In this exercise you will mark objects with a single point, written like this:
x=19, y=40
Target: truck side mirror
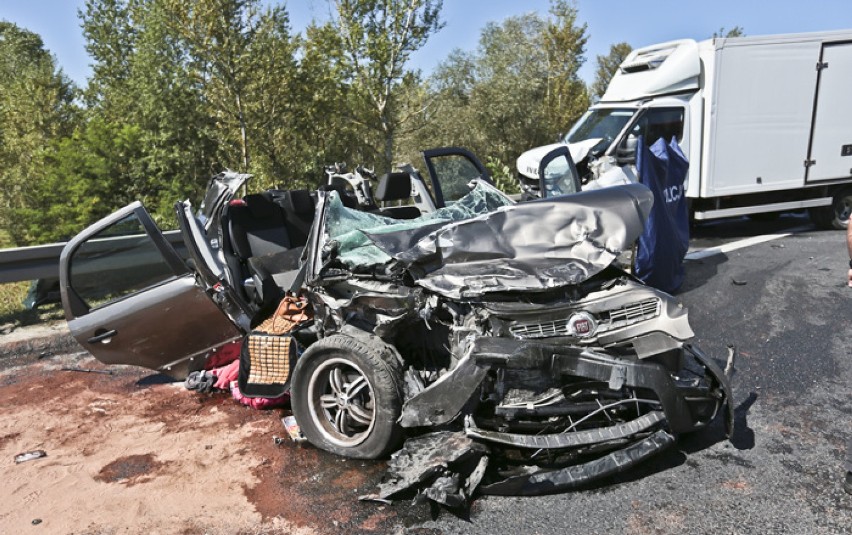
x=625, y=154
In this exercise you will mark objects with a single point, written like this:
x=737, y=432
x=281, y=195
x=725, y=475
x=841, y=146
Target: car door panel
x=451, y=169
x=130, y=299
x=169, y=328
x=209, y=268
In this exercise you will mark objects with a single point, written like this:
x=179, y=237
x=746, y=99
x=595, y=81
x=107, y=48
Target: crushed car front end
x=523, y=340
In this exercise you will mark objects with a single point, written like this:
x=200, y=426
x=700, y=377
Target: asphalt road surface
x=776, y=293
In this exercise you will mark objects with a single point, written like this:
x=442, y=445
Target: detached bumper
x=535, y=481
x=688, y=403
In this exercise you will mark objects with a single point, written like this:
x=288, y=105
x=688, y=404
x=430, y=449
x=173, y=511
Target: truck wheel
x=347, y=398
x=835, y=216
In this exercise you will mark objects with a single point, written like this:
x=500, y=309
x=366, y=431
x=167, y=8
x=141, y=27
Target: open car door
x=450, y=170
x=210, y=270
x=129, y=298
x=557, y=174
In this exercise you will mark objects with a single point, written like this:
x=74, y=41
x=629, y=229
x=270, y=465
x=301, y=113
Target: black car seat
x=253, y=227
x=275, y=270
x=299, y=208
x=257, y=228
x=396, y=187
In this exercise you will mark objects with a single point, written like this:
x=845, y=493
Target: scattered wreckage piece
x=445, y=467
x=534, y=482
x=566, y=439
x=293, y=430
x=448, y=467
x=29, y=456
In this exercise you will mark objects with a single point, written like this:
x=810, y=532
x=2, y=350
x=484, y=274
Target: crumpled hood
x=526, y=247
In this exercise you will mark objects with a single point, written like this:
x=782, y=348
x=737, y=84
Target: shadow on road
x=667, y=460
x=743, y=438
x=698, y=272
x=156, y=379
x=744, y=227
x=719, y=232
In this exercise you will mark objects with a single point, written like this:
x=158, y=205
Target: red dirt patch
x=185, y=462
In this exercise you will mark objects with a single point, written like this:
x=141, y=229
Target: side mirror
x=625, y=154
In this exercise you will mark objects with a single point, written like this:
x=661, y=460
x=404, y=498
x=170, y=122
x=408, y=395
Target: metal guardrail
x=28, y=263
x=42, y=261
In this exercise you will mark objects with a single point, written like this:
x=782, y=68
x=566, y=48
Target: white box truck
x=765, y=121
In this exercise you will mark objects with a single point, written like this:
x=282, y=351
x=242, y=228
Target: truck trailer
x=765, y=121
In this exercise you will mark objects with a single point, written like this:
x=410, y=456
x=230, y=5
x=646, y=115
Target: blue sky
x=609, y=21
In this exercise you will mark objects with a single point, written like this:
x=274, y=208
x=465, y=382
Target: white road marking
x=748, y=242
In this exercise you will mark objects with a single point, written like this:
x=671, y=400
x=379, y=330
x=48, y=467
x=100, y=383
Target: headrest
x=337, y=183
x=394, y=187
x=348, y=200
x=299, y=202
x=260, y=205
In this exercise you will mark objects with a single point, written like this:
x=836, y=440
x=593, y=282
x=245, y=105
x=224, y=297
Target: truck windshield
x=604, y=123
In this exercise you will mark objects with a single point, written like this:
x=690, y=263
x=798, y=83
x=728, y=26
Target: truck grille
x=607, y=320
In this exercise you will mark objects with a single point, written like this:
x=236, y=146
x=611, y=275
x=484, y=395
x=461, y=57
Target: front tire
x=347, y=397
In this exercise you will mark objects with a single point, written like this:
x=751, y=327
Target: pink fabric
x=259, y=403
x=226, y=374
x=224, y=355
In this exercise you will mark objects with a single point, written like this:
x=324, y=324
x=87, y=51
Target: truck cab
x=654, y=94
x=762, y=121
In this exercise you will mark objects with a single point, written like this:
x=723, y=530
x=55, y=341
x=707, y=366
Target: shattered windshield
x=603, y=123
x=349, y=228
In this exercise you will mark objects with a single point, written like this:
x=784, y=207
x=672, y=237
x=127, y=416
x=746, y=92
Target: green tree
x=110, y=40
x=319, y=130
x=75, y=190
x=736, y=31
x=516, y=91
x=208, y=84
x=235, y=52
x=608, y=65
x=141, y=81
x=378, y=37
x=510, y=99
x=565, y=46
x=36, y=108
x=449, y=117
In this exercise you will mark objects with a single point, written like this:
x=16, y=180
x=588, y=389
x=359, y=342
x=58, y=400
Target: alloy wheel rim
x=342, y=402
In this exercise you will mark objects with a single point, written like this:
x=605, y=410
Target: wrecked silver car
x=501, y=338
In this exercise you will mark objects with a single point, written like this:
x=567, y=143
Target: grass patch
x=12, y=309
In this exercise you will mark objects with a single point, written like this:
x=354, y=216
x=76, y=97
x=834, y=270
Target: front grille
x=633, y=313
x=540, y=330
x=607, y=320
